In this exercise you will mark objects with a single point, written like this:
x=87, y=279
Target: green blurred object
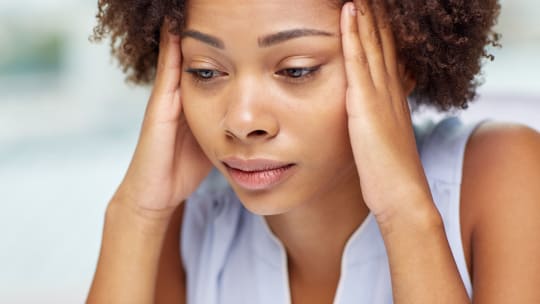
x=33, y=52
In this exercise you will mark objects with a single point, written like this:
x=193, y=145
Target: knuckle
x=358, y=57
x=374, y=37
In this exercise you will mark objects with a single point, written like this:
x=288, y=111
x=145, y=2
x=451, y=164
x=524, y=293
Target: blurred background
x=69, y=124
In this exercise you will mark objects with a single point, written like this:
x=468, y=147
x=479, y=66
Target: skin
x=361, y=113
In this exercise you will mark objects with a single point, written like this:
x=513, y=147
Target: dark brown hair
x=442, y=43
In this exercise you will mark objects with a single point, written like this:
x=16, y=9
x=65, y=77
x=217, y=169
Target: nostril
x=257, y=133
x=229, y=134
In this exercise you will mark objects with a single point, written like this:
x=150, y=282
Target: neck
x=315, y=233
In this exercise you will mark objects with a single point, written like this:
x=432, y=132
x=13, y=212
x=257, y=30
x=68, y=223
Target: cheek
x=335, y=96
x=198, y=115
x=329, y=121
x=326, y=110
x=190, y=110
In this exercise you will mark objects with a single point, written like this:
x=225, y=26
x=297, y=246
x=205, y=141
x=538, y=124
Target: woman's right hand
x=143, y=219
x=168, y=164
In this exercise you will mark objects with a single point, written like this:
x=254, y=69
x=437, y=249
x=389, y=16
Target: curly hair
x=442, y=43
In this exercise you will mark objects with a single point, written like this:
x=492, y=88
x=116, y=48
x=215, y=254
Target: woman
x=336, y=196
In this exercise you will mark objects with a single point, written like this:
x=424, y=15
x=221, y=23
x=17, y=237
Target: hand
x=392, y=178
x=168, y=164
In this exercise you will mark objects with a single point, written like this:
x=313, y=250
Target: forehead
x=262, y=16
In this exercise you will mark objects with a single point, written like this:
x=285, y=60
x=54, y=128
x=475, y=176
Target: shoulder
x=501, y=171
x=501, y=160
x=502, y=141
x=500, y=209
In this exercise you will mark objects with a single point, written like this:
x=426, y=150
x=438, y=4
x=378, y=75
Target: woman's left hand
x=392, y=178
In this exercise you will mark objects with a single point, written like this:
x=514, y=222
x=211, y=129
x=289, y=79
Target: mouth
x=258, y=174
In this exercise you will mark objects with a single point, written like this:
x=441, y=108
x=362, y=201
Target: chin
x=265, y=202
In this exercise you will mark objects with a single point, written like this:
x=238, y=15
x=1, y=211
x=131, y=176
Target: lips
x=258, y=174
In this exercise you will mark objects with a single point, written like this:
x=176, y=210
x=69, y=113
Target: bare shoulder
x=500, y=213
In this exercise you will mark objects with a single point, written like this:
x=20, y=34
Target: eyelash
x=196, y=74
x=306, y=74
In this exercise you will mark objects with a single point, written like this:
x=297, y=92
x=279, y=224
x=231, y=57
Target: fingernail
x=352, y=9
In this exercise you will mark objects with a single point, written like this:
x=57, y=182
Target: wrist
x=419, y=217
x=126, y=202
x=131, y=247
x=152, y=221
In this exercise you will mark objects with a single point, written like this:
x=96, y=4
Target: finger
x=164, y=104
x=387, y=36
x=169, y=62
x=371, y=41
x=395, y=71
x=161, y=121
x=356, y=65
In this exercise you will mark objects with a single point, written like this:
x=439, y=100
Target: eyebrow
x=208, y=39
x=283, y=36
x=265, y=41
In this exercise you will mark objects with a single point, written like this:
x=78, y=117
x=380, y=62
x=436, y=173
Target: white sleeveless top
x=231, y=257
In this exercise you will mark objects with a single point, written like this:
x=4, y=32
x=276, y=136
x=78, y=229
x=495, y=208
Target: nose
x=250, y=116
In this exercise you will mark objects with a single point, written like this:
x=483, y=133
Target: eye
x=204, y=75
x=298, y=74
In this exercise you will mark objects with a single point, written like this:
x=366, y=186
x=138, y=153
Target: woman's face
x=263, y=91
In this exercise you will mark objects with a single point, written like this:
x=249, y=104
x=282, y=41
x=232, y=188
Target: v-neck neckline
x=364, y=244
